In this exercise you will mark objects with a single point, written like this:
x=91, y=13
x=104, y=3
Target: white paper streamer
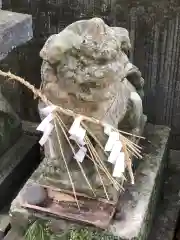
x=45, y=126
x=119, y=167
x=47, y=110
x=42, y=126
x=107, y=129
x=77, y=132
x=115, y=152
x=46, y=134
x=80, y=141
x=80, y=155
x=75, y=126
x=113, y=137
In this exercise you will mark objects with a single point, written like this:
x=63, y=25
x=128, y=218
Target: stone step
x=136, y=206
x=15, y=30
x=16, y=165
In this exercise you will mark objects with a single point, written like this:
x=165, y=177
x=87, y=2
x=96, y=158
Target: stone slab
x=15, y=29
x=137, y=205
x=16, y=165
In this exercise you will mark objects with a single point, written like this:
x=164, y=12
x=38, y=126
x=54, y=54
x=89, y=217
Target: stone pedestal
x=136, y=206
x=15, y=165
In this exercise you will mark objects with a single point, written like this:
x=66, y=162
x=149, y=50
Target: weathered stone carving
x=85, y=68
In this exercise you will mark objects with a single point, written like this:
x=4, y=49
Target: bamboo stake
x=73, y=150
x=115, y=183
x=95, y=164
x=64, y=159
x=94, y=137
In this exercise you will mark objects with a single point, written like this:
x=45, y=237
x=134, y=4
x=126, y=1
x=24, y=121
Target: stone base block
x=136, y=206
x=16, y=165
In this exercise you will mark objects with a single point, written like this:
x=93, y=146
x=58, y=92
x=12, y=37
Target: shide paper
x=46, y=126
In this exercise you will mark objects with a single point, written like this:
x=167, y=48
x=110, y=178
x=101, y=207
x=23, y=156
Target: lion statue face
x=88, y=56
x=86, y=65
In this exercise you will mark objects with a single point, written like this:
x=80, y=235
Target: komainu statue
x=85, y=68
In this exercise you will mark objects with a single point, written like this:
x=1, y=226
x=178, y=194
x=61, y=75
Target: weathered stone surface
x=35, y=195
x=30, y=128
x=16, y=62
x=15, y=29
x=165, y=219
x=0, y=4
x=137, y=204
x=10, y=125
x=12, y=91
x=15, y=164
